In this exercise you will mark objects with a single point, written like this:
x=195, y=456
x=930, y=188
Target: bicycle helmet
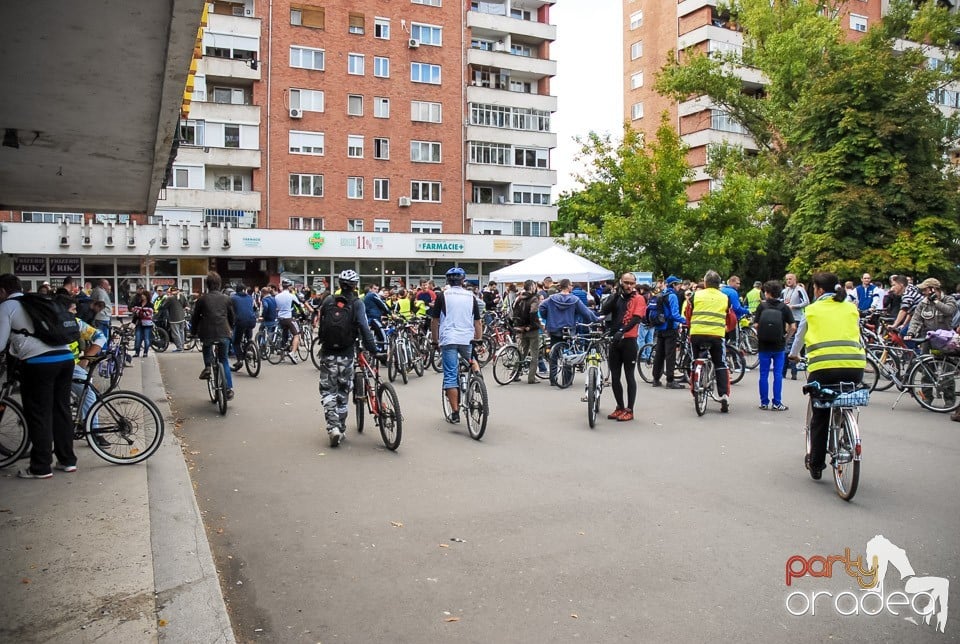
x=349, y=277
x=455, y=276
x=285, y=283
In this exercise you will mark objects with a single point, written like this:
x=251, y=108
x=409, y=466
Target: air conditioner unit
x=404, y=202
x=205, y=244
x=87, y=242
x=64, y=241
x=296, y=113
x=413, y=43
x=184, y=242
x=108, y=241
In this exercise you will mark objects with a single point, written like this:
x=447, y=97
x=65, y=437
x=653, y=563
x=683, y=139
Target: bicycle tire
x=221, y=389
x=416, y=359
x=130, y=424
x=751, y=342
x=159, y=339
x=119, y=361
x=251, y=359
x=564, y=376
x=736, y=364
x=889, y=364
x=359, y=397
x=593, y=397
x=402, y=361
x=935, y=370
x=275, y=353
x=190, y=343
x=871, y=373
x=484, y=351
x=389, y=418
x=507, y=364
x=645, y=365
x=212, y=387
x=445, y=403
x=306, y=342
x=699, y=390
x=477, y=407
x=392, y=362
x=846, y=475
x=14, y=439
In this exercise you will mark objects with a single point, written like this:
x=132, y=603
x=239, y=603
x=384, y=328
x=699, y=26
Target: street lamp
x=149, y=250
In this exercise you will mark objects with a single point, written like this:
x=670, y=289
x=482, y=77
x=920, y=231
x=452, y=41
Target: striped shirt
x=910, y=299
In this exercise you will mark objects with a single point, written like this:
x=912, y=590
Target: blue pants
x=645, y=336
x=79, y=373
x=142, y=335
x=224, y=351
x=774, y=359
x=451, y=354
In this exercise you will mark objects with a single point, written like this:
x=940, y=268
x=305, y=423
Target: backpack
x=53, y=323
x=657, y=308
x=337, y=329
x=770, y=325
x=85, y=308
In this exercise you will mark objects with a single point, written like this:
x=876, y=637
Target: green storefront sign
x=316, y=240
x=439, y=246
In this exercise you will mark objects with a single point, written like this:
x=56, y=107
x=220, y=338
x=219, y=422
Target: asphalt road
x=671, y=528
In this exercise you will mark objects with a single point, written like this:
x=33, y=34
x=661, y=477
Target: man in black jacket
x=212, y=322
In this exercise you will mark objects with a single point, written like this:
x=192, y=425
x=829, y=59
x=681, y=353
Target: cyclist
x=831, y=332
x=375, y=309
x=212, y=321
x=92, y=341
x=286, y=303
x=563, y=310
x=268, y=311
x=342, y=319
x=526, y=321
x=707, y=329
x=626, y=308
x=455, y=324
x=665, y=353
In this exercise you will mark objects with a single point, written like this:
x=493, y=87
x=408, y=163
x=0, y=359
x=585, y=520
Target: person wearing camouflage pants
x=336, y=383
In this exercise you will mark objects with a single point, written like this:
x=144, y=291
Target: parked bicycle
x=932, y=379
x=473, y=396
x=509, y=365
x=380, y=400
x=843, y=439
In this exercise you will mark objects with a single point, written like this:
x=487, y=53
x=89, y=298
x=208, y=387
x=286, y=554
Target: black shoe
x=675, y=385
x=205, y=374
x=724, y=406
x=656, y=383
x=229, y=394
x=454, y=418
x=237, y=366
x=793, y=376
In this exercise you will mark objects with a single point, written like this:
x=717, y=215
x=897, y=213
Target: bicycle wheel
x=477, y=407
x=593, y=395
x=485, y=351
x=221, y=389
x=933, y=383
x=13, y=432
x=645, y=364
x=389, y=419
x=402, y=360
x=359, y=398
x=506, y=364
x=190, y=343
x=251, y=359
x=416, y=359
x=871, y=374
x=275, y=351
x=564, y=375
x=130, y=428
x=159, y=339
x=392, y=361
x=846, y=465
x=888, y=364
x=306, y=342
x=736, y=364
x=445, y=402
x=315, y=356
x=751, y=343
x=700, y=392
x=212, y=386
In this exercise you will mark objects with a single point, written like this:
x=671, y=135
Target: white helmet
x=349, y=277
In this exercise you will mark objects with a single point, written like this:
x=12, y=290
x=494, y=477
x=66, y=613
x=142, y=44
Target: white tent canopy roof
x=555, y=262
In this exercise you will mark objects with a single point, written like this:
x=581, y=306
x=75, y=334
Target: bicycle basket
x=855, y=398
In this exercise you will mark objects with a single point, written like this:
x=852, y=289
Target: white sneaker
x=294, y=359
x=335, y=437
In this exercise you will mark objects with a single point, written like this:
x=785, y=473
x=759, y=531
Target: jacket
x=375, y=306
x=175, y=306
x=734, y=298
x=213, y=317
x=673, y=318
x=930, y=316
x=532, y=323
x=562, y=310
x=243, y=307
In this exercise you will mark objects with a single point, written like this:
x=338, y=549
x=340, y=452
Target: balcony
x=521, y=138
x=686, y=7
x=221, y=157
x=534, y=67
x=488, y=95
x=708, y=136
x=216, y=68
x=709, y=32
x=511, y=212
x=210, y=199
x=504, y=25
x=225, y=113
x=233, y=25
x=510, y=174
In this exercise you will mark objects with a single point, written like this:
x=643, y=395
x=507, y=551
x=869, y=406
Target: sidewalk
x=110, y=553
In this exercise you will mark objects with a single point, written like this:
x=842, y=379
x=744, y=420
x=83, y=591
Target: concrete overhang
x=93, y=91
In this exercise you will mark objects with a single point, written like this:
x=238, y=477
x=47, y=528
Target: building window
x=381, y=107
x=636, y=111
x=381, y=67
x=308, y=100
x=521, y=50
x=426, y=227
x=636, y=80
x=381, y=225
x=519, y=14
x=425, y=151
x=307, y=16
x=425, y=73
x=381, y=149
x=355, y=64
x=355, y=146
x=425, y=112
x=191, y=132
x=531, y=158
x=425, y=191
x=354, y=105
x=427, y=34
x=531, y=228
x=354, y=225
x=490, y=153
x=381, y=28
x=231, y=136
x=306, y=58
x=229, y=96
x=432, y=3
x=482, y=43
x=51, y=217
x=354, y=187
x=516, y=118
x=357, y=22
x=179, y=178
x=531, y=195
x=306, y=223
x=381, y=191
x=306, y=185
x=858, y=22
x=228, y=182
x=636, y=20
x=636, y=50
x=482, y=194
x=306, y=143
x=720, y=120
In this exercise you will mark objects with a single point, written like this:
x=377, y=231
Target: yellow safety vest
x=403, y=307
x=833, y=336
x=709, y=313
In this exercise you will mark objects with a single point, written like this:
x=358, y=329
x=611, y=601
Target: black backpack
x=337, y=328
x=770, y=328
x=657, y=309
x=85, y=308
x=53, y=323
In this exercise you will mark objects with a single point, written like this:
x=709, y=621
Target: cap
x=930, y=282
x=673, y=279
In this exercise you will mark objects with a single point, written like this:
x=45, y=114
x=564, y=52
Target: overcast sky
x=589, y=80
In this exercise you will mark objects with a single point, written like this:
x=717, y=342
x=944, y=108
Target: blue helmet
x=455, y=276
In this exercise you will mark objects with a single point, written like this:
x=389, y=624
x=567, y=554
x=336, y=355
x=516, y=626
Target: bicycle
x=110, y=370
x=14, y=440
x=931, y=378
x=380, y=400
x=702, y=381
x=595, y=376
x=251, y=358
x=217, y=382
x=843, y=439
x=509, y=365
x=473, y=395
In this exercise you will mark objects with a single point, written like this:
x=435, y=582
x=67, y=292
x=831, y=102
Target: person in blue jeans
x=773, y=321
x=455, y=323
x=212, y=321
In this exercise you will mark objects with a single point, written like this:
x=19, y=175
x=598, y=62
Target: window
x=636, y=50
x=307, y=16
x=355, y=64
x=381, y=148
x=531, y=195
x=432, y=3
x=306, y=142
x=231, y=136
x=480, y=43
x=425, y=112
x=636, y=20
x=306, y=223
x=354, y=225
x=531, y=228
x=425, y=191
x=228, y=96
x=521, y=14
x=381, y=107
x=51, y=217
x=426, y=34
x=425, y=73
x=520, y=86
x=490, y=153
x=636, y=80
x=720, y=120
x=381, y=225
x=381, y=28
x=179, y=178
x=357, y=22
x=308, y=100
x=355, y=146
x=531, y=158
x=426, y=227
x=857, y=22
x=521, y=50
x=425, y=151
x=354, y=105
x=516, y=118
x=381, y=192
x=381, y=67
x=231, y=182
x=636, y=111
x=191, y=132
x=482, y=194
x=306, y=185
x=306, y=58
x=354, y=187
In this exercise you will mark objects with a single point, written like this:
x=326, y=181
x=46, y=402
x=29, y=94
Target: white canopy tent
x=555, y=262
